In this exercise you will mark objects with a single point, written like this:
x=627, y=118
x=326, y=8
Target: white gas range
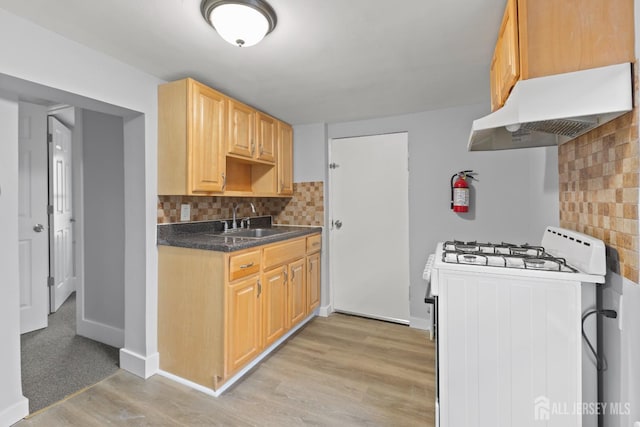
x=508, y=327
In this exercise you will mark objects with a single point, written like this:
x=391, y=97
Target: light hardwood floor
x=337, y=371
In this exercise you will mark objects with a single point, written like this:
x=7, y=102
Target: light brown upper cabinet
x=285, y=159
x=505, y=66
x=554, y=37
x=191, y=132
x=241, y=130
x=251, y=134
x=266, y=134
x=210, y=144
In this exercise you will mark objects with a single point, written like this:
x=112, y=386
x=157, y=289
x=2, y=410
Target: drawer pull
x=315, y=244
x=243, y=266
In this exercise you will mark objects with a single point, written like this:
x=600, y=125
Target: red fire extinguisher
x=460, y=191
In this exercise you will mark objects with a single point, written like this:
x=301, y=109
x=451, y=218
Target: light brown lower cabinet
x=314, y=246
x=242, y=337
x=275, y=305
x=218, y=311
x=297, y=292
x=313, y=281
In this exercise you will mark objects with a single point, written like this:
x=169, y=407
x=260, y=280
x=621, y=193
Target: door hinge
x=333, y=165
x=49, y=209
x=49, y=137
x=50, y=281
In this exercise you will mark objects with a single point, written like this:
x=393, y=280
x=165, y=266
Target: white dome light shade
x=239, y=25
x=241, y=22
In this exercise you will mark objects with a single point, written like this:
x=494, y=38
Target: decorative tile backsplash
x=599, y=187
x=306, y=207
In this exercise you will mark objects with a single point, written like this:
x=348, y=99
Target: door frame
x=329, y=220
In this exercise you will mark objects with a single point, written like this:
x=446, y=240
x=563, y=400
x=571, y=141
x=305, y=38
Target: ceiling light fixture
x=240, y=22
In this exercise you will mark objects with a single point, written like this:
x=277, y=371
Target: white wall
x=103, y=167
x=309, y=152
x=515, y=199
x=12, y=405
x=310, y=165
x=76, y=75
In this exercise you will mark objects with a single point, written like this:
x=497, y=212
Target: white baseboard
x=100, y=332
x=242, y=372
x=420, y=323
x=15, y=412
x=144, y=367
x=325, y=311
x=188, y=383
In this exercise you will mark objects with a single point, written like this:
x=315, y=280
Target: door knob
x=38, y=228
x=338, y=224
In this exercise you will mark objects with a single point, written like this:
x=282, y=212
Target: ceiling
x=326, y=61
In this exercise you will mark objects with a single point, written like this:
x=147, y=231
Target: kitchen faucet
x=234, y=225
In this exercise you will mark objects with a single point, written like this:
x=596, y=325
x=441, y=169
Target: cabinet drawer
x=244, y=264
x=279, y=254
x=314, y=243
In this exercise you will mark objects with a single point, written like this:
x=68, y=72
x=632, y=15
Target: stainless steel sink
x=253, y=232
x=249, y=233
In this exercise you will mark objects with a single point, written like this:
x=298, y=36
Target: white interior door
x=369, y=252
x=62, y=248
x=32, y=212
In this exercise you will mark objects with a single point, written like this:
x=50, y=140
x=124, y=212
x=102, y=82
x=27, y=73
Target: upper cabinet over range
x=546, y=37
x=211, y=144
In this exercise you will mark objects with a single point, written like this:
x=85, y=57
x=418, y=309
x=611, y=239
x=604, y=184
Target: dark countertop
x=208, y=235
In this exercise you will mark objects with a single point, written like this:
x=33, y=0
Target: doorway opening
x=71, y=277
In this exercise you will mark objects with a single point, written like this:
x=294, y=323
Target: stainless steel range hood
x=555, y=109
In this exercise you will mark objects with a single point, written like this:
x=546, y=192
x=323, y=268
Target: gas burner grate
x=506, y=255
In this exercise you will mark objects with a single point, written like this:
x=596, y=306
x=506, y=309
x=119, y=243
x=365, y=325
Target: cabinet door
x=241, y=131
x=274, y=307
x=496, y=96
x=564, y=36
x=313, y=282
x=206, y=136
x=297, y=294
x=285, y=159
x=506, y=70
x=266, y=135
x=242, y=323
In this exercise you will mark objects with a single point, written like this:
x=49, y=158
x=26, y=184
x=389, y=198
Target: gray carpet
x=56, y=362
